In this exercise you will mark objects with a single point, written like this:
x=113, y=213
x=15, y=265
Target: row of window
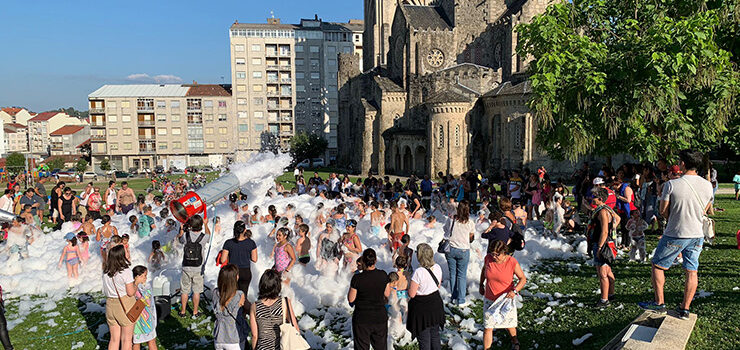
x=192, y=132
x=301, y=34
x=145, y=103
x=441, y=136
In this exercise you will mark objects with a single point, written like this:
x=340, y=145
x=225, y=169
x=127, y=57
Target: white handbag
x=290, y=338
x=707, y=224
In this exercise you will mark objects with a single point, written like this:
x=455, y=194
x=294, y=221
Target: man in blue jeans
x=684, y=202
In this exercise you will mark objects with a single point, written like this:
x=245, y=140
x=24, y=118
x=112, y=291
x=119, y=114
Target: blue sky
x=54, y=53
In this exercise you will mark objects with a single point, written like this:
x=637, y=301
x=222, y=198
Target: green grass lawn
x=568, y=319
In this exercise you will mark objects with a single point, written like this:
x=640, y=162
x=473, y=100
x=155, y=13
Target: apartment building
x=16, y=138
x=67, y=139
x=285, y=78
x=15, y=115
x=41, y=125
x=172, y=125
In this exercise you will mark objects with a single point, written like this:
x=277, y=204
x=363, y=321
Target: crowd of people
x=613, y=208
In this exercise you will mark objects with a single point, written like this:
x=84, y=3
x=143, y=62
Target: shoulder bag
x=290, y=338
x=707, y=224
x=136, y=309
x=444, y=244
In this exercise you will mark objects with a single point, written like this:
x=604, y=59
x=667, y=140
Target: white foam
x=320, y=293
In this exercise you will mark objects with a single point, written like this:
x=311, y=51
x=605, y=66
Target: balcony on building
x=146, y=120
x=97, y=107
x=194, y=104
x=97, y=137
x=97, y=121
x=284, y=50
x=195, y=118
x=145, y=105
x=147, y=146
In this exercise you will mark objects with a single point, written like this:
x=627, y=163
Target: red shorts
x=397, y=240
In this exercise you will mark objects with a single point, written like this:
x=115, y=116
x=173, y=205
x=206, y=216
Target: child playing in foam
x=636, y=227
x=304, y=244
x=71, y=256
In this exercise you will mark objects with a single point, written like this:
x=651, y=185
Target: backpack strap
x=200, y=238
x=703, y=206
x=436, y=281
x=187, y=236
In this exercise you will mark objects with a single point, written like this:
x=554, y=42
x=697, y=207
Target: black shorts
x=304, y=260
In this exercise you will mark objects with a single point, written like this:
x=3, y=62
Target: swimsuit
x=304, y=259
x=282, y=259
x=74, y=260
x=397, y=240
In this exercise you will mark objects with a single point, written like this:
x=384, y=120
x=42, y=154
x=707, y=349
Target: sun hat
x=69, y=236
x=598, y=181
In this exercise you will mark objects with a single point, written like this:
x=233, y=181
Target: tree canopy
x=105, y=164
x=55, y=163
x=307, y=146
x=15, y=163
x=81, y=165
x=645, y=78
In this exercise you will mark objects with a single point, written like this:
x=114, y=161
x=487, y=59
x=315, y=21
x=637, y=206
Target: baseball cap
x=69, y=236
x=675, y=169
x=598, y=181
x=352, y=222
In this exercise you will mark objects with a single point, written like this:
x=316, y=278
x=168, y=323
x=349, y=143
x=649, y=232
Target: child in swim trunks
x=303, y=245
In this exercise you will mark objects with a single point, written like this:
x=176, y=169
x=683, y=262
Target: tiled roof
x=507, y=88
x=426, y=17
x=67, y=130
x=140, y=90
x=15, y=125
x=11, y=110
x=263, y=26
x=207, y=90
x=387, y=84
x=87, y=142
x=44, y=116
x=8, y=130
x=447, y=95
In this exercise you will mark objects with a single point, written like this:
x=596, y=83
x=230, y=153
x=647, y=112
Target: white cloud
x=161, y=78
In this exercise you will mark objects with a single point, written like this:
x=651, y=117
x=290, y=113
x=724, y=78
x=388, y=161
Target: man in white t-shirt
x=684, y=202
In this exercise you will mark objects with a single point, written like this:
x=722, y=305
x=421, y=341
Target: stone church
x=443, y=89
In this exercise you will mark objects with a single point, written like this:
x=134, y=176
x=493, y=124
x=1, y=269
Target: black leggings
x=245, y=277
x=429, y=339
x=4, y=337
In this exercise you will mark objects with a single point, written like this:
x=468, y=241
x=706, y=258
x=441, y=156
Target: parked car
x=192, y=170
x=66, y=174
x=317, y=163
x=89, y=175
x=54, y=172
x=206, y=169
x=176, y=171
x=123, y=175
x=144, y=171
x=159, y=169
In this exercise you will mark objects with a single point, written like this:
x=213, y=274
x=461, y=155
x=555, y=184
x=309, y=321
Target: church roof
x=447, y=95
x=388, y=85
x=426, y=17
x=507, y=88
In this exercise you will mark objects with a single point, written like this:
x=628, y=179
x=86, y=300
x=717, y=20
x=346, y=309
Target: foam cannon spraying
x=250, y=176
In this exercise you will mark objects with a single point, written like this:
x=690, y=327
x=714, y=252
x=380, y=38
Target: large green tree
x=307, y=146
x=15, y=162
x=81, y=165
x=641, y=77
x=105, y=164
x=55, y=163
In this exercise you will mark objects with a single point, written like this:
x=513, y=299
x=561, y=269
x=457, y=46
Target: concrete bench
x=654, y=331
